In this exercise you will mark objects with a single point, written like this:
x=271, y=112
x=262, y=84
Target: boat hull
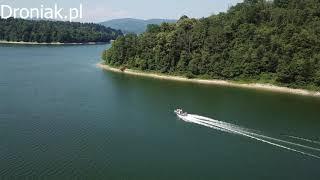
x=182, y=117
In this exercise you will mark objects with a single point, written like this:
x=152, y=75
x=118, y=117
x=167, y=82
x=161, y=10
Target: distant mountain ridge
x=130, y=25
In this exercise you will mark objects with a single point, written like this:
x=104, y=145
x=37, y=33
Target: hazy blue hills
x=130, y=25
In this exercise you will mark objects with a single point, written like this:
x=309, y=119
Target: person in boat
x=180, y=112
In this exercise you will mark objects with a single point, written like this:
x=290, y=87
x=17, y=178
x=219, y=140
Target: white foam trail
x=215, y=125
x=262, y=140
x=288, y=142
x=221, y=122
x=190, y=119
x=248, y=131
x=303, y=139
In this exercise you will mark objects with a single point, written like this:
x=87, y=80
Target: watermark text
x=43, y=12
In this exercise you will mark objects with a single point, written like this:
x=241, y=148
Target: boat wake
x=252, y=134
x=304, y=139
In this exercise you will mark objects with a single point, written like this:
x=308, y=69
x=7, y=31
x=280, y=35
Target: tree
x=153, y=28
x=253, y=40
x=183, y=62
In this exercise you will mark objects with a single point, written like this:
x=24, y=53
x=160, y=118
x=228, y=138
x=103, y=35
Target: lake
x=61, y=117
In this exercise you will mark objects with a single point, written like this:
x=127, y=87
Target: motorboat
x=180, y=113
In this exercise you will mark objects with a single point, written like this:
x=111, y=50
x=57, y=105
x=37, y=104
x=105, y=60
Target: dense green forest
x=42, y=31
x=259, y=41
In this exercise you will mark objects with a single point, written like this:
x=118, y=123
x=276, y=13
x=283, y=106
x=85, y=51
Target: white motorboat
x=180, y=113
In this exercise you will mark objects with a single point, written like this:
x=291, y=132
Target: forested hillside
x=54, y=31
x=257, y=40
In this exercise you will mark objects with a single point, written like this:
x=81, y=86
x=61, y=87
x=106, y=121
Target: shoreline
x=53, y=43
x=258, y=86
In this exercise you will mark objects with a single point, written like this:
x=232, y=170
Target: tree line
x=44, y=31
x=258, y=40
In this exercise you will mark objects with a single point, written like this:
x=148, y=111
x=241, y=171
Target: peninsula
x=268, y=42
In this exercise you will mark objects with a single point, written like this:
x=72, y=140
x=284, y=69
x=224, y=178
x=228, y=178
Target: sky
x=102, y=10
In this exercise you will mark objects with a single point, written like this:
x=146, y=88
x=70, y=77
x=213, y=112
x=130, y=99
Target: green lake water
x=61, y=117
